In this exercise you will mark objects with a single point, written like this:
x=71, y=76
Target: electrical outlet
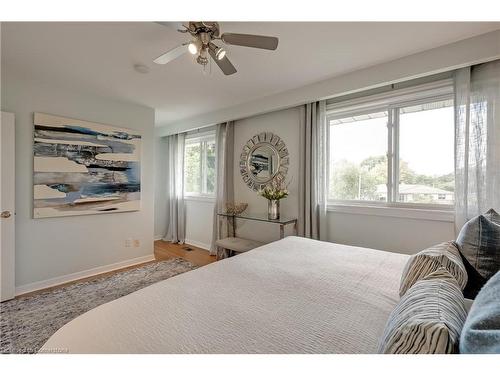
x=137, y=243
x=128, y=242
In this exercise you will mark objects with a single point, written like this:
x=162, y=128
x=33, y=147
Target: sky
x=426, y=140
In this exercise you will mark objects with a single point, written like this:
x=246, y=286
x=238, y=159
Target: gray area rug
x=27, y=323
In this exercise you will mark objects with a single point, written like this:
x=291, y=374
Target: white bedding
x=292, y=296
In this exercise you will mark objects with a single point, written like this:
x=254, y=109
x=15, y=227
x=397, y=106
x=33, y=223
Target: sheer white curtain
x=176, y=221
x=313, y=174
x=477, y=140
x=224, y=188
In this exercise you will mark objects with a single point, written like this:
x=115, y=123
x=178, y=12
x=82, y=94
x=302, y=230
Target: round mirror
x=263, y=163
x=264, y=158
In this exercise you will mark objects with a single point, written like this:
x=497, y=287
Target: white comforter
x=291, y=296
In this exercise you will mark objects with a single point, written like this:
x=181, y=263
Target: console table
x=238, y=244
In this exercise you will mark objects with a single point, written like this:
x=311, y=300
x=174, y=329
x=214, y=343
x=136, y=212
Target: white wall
x=54, y=247
x=199, y=222
x=285, y=124
x=401, y=235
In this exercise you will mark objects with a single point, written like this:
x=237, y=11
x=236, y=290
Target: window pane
x=192, y=165
x=211, y=170
x=426, y=153
x=358, y=157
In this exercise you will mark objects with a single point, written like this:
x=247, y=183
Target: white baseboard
x=157, y=238
x=81, y=274
x=201, y=245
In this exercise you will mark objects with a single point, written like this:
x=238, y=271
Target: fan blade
x=172, y=54
x=249, y=40
x=173, y=25
x=224, y=64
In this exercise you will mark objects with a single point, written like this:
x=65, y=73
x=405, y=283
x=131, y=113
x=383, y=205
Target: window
x=358, y=160
x=199, y=165
x=394, y=149
x=426, y=152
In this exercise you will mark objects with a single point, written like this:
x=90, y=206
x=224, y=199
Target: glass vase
x=273, y=209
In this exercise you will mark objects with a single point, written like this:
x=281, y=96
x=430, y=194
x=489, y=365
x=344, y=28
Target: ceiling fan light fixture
x=202, y=60
x=217, y=51
x=194, y=47
x=202, y=46
x=221, y=53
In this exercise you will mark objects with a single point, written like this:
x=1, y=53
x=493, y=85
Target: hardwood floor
x=162, y=250
x=166, y=250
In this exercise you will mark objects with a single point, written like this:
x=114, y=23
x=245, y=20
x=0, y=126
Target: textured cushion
x=492, y=215
x=479, y=244
x=429, y=260
x=428, y=318
x=481, y=332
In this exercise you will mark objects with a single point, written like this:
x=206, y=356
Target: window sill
x=445, y=214
x=200, y=198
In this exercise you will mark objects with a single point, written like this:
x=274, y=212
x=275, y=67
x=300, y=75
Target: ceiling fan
x=202, y=44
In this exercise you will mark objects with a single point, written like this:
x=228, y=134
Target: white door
x=7, y=209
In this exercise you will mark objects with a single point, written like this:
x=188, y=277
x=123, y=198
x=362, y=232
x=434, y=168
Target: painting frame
x=84, y=168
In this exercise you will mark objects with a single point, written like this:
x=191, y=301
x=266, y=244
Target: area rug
x=26, y=323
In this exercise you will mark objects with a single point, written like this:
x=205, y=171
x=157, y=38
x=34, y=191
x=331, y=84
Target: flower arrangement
x=275, y=190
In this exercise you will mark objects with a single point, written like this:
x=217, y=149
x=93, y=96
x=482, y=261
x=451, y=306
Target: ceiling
x=98, y=58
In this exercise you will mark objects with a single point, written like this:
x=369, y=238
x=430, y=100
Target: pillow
x=493, y=216
x=428, y=318
x=481, y=332
x=479, y=245
x=429, y=260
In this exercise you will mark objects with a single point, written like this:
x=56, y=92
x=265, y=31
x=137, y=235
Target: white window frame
x=202, y=138
x=391, y=103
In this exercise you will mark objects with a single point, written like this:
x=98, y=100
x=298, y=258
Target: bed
x=295, y=295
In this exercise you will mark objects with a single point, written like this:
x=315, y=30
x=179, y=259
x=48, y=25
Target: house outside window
x=394, y=149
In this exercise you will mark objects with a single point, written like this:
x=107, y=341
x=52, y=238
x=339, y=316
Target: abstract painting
x=83, y=168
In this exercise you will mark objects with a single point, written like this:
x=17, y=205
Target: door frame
x=7, y=204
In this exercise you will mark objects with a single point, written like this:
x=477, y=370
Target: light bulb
x=194, y=47
x=221, y=52
x=216, y=51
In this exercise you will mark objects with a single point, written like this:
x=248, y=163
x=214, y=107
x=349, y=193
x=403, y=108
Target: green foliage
x=350, y=181
x=193, y=160
x=192, y=168
x=354, y=182
x=211, y=169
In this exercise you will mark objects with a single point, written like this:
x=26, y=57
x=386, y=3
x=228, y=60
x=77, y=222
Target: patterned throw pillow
x=429, y=260
x=479, y=245
x=428, y=318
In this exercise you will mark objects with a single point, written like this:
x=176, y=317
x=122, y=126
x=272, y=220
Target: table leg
x=282, y=231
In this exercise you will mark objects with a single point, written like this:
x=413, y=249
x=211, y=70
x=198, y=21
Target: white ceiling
x=99, y=57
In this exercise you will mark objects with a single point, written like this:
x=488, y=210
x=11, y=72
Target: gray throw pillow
x=479, y=245
x=493, y=216
x=481, y=332
x=427, y=261
x=428, y=319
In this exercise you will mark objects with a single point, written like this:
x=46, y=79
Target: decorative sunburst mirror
x=264, y=158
